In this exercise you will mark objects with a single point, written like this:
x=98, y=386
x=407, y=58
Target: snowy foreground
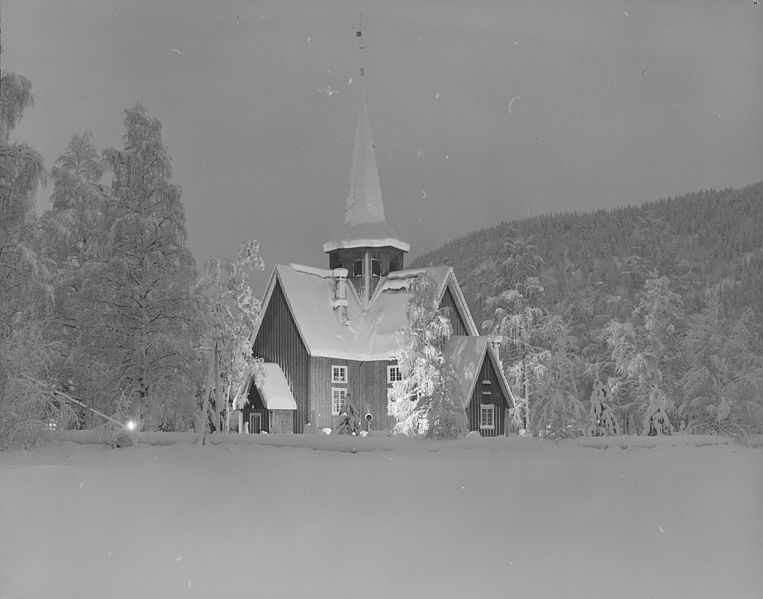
x=377, y=517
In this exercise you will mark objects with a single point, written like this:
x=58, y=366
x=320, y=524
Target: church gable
x=278, y=340
x=457, y=321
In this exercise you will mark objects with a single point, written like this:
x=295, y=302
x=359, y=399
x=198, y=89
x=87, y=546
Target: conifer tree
x=723, y=386
x=557, y=410
x=646, y=353
x=602, y=420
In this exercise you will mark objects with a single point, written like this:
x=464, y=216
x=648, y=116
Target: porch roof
x=273, y=387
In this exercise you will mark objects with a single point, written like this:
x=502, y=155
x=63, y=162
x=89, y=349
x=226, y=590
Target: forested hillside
x=640, y=294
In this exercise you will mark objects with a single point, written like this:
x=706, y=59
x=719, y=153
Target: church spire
x=365, y=224
x=364, y=197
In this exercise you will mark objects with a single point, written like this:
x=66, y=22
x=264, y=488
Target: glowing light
x=131, y=426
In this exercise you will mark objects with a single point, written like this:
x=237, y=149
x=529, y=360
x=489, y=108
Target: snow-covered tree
x=723, y=387
x=232, y=313
x=424, y=402
x=518, y=318
x=557, y=410
x=146, y=323
x=25, y=290
x=602, y=420
x=76, y=242
x=646, y=354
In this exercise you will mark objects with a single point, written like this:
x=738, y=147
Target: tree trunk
x=201, y=436
x=218, y=391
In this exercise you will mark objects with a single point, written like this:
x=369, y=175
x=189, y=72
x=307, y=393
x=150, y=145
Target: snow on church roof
x=466, y=354
x=369, y=334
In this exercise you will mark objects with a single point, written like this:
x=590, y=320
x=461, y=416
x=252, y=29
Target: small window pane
x=375, y=268
x=357, y=268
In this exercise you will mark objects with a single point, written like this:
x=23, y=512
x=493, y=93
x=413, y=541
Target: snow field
x=491, y=518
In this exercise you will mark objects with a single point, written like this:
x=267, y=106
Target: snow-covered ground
x=476, y=518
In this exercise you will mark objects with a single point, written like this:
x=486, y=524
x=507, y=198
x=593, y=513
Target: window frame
x=338, y=400
x=341, y=380
x=357, y=272
x=390, y=368
x=487, y=409
x=376, y=267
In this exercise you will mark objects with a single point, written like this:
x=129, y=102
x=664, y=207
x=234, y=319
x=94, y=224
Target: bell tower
x=365, y=245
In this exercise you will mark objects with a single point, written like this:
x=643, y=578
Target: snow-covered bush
x=656, y=420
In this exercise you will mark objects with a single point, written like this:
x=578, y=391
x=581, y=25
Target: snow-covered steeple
x=365, y=245
x=364, y=198
x=365, y=224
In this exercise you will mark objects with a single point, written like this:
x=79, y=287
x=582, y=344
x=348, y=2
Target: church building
x=328, y=336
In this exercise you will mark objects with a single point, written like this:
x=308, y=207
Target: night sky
x=615, y=103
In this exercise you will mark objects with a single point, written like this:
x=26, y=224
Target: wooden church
x=328, y=336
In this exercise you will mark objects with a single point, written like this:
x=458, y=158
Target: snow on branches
x=423, y=402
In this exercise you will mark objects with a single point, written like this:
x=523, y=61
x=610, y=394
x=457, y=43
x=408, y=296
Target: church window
x=487, y=416
x=339, y=374
x=338, y=400
x=394, y=374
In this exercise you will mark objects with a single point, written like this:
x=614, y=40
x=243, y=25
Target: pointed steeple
x=365, y=224
x=364, y=198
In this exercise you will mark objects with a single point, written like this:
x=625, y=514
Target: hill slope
x=707, y=239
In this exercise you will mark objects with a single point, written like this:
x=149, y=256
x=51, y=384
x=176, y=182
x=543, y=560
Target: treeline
x=104, y=315
x=662, y=303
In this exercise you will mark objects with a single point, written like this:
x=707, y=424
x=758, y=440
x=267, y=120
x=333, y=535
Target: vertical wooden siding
x=488, y=393
x=255, y=405
x=366, y=384
x=456, y=319
x=278, y=341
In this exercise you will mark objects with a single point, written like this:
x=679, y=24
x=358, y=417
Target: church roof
x=365, y=224
x=368, y=334
x=466, y=354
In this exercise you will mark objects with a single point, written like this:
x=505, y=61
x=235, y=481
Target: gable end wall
x=456, y=318
x=495, y=396
x=278, y=341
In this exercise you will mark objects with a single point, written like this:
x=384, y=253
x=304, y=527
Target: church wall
x=278, y=341
x=488, y=391
x=366, y=384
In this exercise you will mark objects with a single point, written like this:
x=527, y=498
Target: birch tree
x=25, y=291
x=424, y=402
x=76, y=241
x=232, y=312
x=147, y=320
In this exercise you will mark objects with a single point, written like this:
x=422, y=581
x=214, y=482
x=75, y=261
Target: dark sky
x=618, y=103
